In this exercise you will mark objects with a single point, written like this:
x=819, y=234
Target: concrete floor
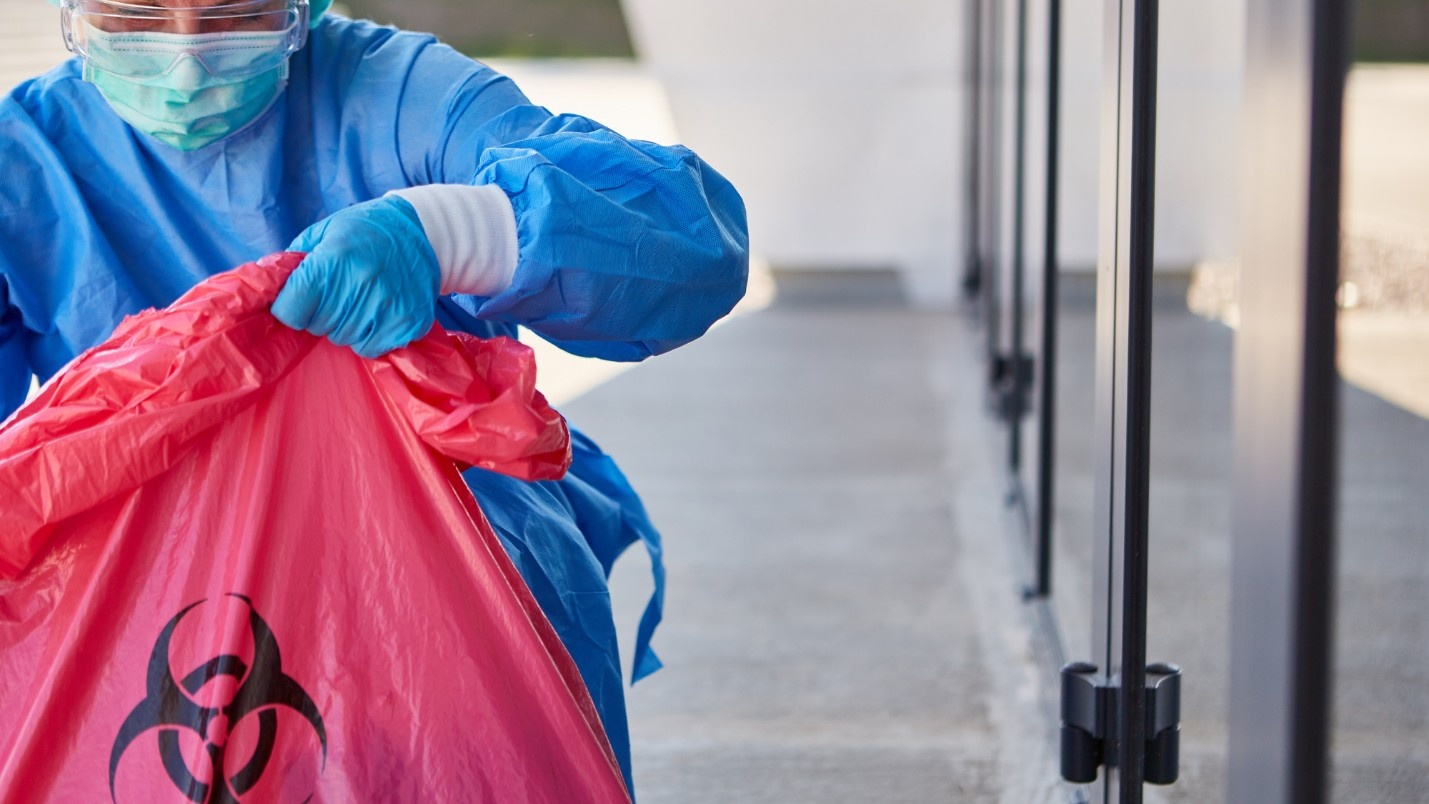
x=843, y=621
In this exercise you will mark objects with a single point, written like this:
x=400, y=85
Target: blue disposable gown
x=627, y=249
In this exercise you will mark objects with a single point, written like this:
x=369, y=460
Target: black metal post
x=1124, y=276
x=1047, y=412
x=1138, y=400
x=992, y=187
x=1319, y=432
x=971, y=284
x=1016, y=379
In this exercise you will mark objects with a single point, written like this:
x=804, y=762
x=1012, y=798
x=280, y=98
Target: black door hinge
x=1089, y=722
x=1010, y=380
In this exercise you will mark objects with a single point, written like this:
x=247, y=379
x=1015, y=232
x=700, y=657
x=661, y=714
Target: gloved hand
x=370, y=279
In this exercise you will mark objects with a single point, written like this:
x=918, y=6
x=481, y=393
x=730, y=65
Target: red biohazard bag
x=238, y=563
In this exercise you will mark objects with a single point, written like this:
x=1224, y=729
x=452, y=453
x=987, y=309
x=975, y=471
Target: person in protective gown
x=189, y=137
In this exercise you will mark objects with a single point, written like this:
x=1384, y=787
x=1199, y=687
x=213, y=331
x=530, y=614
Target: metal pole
x=1286, y=403
x=1122, y=426
x=992, y=209
x=1015, y=359
x=1138, y=399
x=1047, y=431
x=1319, y=433
x=971, y=268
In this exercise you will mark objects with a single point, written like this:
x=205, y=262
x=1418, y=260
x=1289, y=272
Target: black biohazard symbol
x=169, y=707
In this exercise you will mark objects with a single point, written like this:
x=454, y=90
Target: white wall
x=843, y=121
x=1198, y=125
x=1200, y=61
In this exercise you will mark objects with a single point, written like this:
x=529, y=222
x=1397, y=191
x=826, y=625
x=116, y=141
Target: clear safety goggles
x=146, y=41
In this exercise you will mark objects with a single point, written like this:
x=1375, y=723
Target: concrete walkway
x=843, y=622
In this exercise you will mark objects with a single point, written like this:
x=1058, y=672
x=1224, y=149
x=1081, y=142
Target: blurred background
x=845, y=618
x=512, y=28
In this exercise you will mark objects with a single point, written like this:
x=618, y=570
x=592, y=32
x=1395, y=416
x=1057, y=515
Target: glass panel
x=1075, y=463
x=1034, y=228
x=1381, y=700
x=1074, y=397
x=1190, y=523
x=1198, y=187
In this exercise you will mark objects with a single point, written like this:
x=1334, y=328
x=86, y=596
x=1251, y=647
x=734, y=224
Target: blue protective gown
x=627, y=249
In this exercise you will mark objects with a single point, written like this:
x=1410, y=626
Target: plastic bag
x=238, y=563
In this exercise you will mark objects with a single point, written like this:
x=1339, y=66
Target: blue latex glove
x=370, y=279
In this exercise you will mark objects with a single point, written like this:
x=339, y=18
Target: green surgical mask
x=187, y=106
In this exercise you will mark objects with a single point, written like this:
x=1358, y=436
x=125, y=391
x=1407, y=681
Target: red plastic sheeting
x=238, y=563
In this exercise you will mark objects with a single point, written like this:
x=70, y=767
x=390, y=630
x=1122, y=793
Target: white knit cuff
x=472, y=229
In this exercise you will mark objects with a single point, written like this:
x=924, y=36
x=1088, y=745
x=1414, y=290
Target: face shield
x=143, y=42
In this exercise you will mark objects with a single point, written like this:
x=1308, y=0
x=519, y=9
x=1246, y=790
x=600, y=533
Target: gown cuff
x=472, y=230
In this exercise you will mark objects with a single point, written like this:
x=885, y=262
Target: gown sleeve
x=14, y=368
x=627, y=248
